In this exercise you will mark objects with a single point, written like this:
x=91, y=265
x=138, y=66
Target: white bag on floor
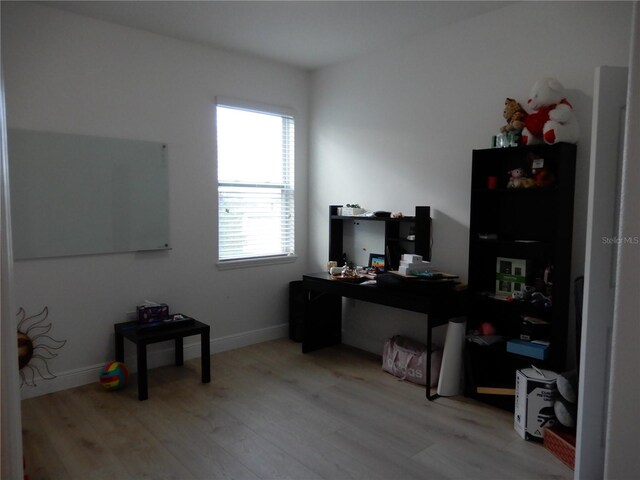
x=406, y=359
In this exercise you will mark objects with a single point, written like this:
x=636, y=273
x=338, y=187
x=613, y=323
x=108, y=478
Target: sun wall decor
x=35, y=347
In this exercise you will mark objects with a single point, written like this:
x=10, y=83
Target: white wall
x=72, y=74
x=396, y=128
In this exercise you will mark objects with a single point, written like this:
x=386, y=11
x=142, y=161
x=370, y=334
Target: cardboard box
x=533, y=328
x=350, y=211
x=562, y=443
x=535, y=395
x=539, y=351
x=511, y=274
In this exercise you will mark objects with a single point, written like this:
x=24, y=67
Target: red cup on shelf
x=492, y=183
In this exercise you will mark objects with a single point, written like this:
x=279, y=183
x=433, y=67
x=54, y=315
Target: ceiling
x=305, y=34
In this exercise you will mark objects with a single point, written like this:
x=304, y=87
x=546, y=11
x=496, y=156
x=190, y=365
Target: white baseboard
x=155, y=358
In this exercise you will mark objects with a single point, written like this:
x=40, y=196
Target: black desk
x=143, y=336
x=323, y=309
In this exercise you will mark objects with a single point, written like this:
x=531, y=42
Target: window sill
x=255, y=262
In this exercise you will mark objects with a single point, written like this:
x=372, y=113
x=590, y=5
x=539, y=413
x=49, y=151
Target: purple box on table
x=152, y=313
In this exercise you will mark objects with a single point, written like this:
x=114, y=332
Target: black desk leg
x=141, y=348
x=205, y=356
x=179, y=352
x=322, y=321
x=429, y=351
x=119, y=348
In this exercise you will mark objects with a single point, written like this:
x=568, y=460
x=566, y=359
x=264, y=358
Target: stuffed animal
x=514, y=114
x=542, y=176
x=565, y=406
x=550, y=116
x=519, y=179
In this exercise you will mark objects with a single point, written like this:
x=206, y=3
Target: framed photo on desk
x=376, y=260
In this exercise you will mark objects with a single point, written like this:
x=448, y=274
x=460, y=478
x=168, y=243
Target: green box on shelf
x=511, y=274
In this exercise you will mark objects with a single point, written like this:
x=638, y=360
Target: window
x=255, y=182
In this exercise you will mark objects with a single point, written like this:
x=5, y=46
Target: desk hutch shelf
x=395, y=241
x=533, y=225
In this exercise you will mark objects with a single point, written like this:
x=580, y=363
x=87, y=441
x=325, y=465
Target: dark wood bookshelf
x=532, y=224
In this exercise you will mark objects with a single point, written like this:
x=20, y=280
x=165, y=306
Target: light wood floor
x=272, y=413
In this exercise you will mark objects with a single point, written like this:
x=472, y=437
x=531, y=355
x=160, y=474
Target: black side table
x=143, y=336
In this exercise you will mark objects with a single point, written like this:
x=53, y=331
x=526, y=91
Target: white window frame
x=232, y=263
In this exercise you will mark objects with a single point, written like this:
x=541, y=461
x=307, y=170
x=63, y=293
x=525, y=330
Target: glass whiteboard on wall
x=83, y=195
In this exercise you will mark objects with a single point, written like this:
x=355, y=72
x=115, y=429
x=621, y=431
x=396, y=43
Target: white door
x=623, y=420
x=10, y=416
x=609, y=99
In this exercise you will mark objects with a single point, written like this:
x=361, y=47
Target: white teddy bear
x=551, y=118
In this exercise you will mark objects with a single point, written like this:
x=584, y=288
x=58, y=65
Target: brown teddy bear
x=519, y=179
x=514, y=114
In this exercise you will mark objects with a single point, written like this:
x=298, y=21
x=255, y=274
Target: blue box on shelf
x=539, y=351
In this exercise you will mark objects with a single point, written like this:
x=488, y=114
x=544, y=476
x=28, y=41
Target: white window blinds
x=255, y=182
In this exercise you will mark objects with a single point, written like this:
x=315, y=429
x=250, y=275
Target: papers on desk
x=431, y=275
x=413, y=266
